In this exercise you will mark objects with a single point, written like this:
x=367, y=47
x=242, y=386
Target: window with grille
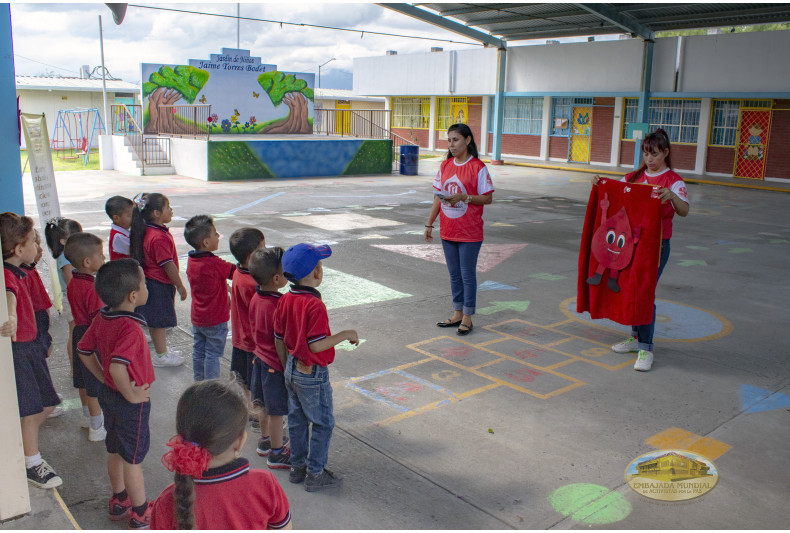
x=522, y=115
x=412, y=113
x=561, y=116
x=678, y=117
x=451, y=111
x=724, y=120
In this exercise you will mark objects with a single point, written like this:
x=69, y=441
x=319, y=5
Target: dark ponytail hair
x=211, y=414
x=658, y=141
x=465, y=132
x=144, y=206
x=59, y=229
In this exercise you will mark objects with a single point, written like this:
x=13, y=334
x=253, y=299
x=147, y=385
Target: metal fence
x=182, y=121
x=126, y=119
x=150, y=150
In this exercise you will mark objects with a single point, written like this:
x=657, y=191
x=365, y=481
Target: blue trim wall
x=11, y=198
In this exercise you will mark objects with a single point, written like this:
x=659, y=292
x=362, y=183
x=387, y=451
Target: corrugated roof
x=42, y=83
x=517, y=21
x=344, y=94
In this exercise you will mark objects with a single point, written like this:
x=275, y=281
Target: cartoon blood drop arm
x=612, y=245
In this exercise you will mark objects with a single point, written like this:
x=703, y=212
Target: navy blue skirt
x=160, y=309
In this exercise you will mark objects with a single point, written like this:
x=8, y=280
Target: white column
x=432, y=125
x=705, y=110
x=482, y=146
x=617, y=124
x=545, y=129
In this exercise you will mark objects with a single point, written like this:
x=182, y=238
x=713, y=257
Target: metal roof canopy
x=495, y=24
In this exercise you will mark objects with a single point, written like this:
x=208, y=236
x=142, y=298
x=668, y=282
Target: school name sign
x=233, y=60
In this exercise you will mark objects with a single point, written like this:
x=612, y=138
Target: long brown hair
x=465, y=132
x=211, y=414
x=143, y=213
x=658, y=141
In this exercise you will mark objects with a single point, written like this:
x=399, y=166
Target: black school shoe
x=298, y=474
x=325, y=480
x=462, y=332
x=43, y=476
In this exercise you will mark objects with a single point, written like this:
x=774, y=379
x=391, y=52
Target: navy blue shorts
x=241, y=364
x=126, y=424
x=42, y=329
x=160, y=309
x=81, y=377
x=34, y=388
x=268, y=389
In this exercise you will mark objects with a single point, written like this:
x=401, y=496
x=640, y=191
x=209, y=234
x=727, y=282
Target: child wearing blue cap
x=301, y=332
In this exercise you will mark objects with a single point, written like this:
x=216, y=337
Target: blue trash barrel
x=409, y=156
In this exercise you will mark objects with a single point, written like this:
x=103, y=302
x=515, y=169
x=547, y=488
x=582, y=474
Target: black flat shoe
x=466, y=331
x=446, y=324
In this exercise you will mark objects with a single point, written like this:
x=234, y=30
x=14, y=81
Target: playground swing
x=74, y=133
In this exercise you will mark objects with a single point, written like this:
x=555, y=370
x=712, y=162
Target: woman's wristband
x=427, y=226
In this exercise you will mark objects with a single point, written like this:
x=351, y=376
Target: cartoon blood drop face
x=612, y=245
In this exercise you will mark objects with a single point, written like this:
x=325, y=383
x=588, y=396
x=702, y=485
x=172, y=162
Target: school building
x=724, y=100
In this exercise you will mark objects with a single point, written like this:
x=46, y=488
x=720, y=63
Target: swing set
x=74, y=133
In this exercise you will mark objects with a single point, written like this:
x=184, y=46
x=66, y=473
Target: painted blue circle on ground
x=673, y=322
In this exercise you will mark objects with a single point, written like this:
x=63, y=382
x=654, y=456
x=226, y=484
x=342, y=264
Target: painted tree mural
x=295, y=93
x=167, y=86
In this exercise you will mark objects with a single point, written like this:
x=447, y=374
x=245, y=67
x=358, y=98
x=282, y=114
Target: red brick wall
x=626, y=152
x=421, y=136
x=683, y=155
x=720, y=159
x=777, y=164
x=517, y=144
x=601, y=135
x=558, y=147
x=475, y=119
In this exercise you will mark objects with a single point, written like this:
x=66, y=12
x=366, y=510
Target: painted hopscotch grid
x=525, y=359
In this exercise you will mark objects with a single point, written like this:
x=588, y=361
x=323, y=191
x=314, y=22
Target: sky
x=57, y=38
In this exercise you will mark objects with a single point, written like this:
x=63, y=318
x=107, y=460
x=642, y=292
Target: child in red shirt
x=119, y=209
x=268, y=382
x=208, y=277
x=114, y=349
x=84, y=252
x=214, y=487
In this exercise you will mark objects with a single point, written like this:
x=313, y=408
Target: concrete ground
x=529, y=422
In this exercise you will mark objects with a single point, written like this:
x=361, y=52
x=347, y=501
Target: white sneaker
x=56, y=412
x=85, y=422
x=628, y=345
x=96, y=435
x=171, y=358
x=644, y=361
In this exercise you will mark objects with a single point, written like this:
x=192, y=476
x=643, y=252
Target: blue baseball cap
x=301, y=259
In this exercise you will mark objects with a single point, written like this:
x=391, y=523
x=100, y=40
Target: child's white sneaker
x=644, y=361
x=628, y=345
x=56, y=412
x=97, y=435
x=171, y=358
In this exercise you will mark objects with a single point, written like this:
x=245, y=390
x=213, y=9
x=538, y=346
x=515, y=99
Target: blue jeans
x=461, y=259
x=309, y=402
x=208, y=347
x=644, y=334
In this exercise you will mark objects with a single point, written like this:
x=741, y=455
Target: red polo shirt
x=208, y=277
x=83, y=299
x=229, y=497
x=159, y=248
x=300, y=320
x=241, y=293
x=15, y=283
x=38, y=293
x=262, y=308
x=119, y=242
x=117, y=337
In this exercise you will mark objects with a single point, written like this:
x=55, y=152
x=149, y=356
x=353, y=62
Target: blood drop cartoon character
x=612, y=245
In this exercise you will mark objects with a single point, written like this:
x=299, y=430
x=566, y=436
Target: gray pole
x=238, y=26
x=103, y=80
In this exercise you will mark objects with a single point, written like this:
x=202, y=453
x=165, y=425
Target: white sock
x=85, y=411
x=33, y=460
x=97, y=421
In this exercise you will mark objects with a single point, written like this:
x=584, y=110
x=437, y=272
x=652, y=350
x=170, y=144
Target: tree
x=167, y=86
x=295, y=93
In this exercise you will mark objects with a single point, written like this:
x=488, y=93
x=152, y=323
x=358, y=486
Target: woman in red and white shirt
x=461, y=188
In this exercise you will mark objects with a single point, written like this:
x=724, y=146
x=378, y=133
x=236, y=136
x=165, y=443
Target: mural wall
x=245, y=95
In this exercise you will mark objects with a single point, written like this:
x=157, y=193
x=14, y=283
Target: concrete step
x=159, y=170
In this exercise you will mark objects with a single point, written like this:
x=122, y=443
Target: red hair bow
x=186, y=458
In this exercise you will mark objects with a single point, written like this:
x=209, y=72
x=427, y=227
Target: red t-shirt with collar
x=241, y=293
x=16, y=284
x=670, y=180
x=300, y=320
x=38, y=293
x=231, y=496
x=208, y=277
x=83, y=298
x=159, y=248
x=119, y=242
x=117, y=337
x=462, y=222
x=262, y=308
